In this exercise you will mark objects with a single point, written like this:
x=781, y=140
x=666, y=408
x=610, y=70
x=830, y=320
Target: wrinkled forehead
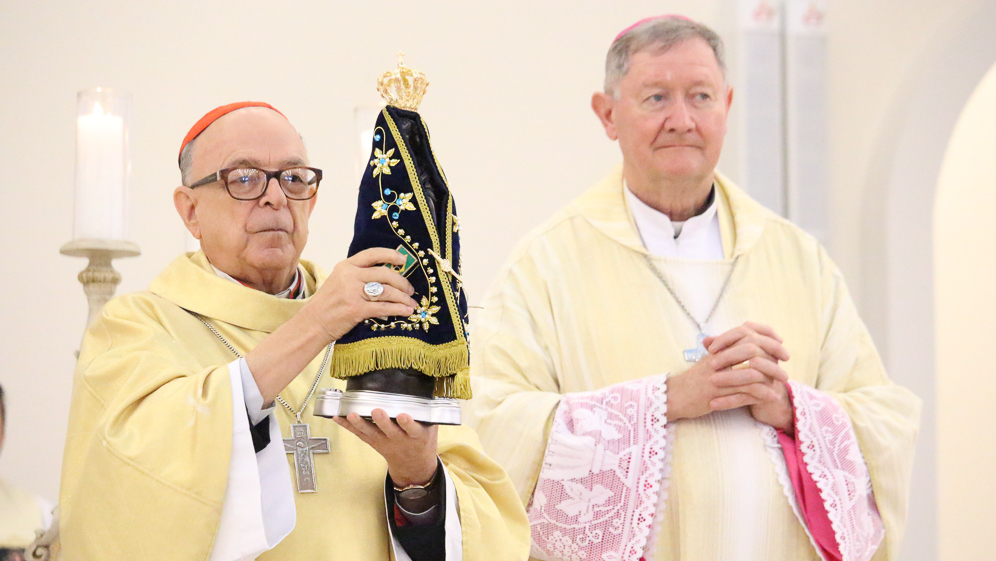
x=250, y=136
x=688, y=64
x=693, y=49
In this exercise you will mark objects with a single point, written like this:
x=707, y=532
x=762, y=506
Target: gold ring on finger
x=741, y=365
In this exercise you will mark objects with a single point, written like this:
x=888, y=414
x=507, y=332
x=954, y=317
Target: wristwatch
x=416, y=492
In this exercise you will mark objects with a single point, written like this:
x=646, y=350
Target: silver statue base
x=436, y=411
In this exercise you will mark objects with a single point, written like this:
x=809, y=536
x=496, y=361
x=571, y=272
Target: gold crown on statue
x=402, y=87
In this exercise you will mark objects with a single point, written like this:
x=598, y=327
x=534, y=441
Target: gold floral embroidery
x=382, y=162
x=424, y=314
x=383, y=207
x=380, y=209
x=404, y=202
x=390, y=205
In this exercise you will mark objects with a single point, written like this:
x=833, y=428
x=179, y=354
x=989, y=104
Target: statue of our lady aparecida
x=417, y=364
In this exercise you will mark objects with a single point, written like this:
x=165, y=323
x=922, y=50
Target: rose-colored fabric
x=217, y=112
x=808, y=496
x=645, y=20
x=602, y=473
x=831, y=481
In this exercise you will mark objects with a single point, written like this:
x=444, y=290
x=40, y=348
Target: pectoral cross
x=304, y=447
x=697, y=353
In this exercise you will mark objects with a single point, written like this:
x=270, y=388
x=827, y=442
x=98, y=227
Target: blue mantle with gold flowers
x=405, y=204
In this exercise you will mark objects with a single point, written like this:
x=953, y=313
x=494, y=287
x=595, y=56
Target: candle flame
x=97, y=110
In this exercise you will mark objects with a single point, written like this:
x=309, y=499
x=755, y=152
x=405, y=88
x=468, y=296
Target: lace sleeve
x=601, y=476
x=832, y=456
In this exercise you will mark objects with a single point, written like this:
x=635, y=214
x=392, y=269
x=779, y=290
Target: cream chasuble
x=150, y=439
x=578, y=310
x=21, y=513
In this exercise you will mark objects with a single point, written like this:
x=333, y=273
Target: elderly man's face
x=249, y=239
x=670, y=112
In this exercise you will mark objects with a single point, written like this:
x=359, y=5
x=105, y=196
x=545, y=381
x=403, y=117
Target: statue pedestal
x=395, y=391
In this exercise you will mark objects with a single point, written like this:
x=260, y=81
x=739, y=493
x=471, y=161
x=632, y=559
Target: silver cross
x=699, y=352
x=303, y=447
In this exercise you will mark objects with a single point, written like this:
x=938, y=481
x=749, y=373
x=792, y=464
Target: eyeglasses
x=249, y=184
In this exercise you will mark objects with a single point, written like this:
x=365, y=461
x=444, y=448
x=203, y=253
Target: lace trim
x=650, y=552
x=601, y=477
x=832, y=456
x=777, y=455
x=658, y=468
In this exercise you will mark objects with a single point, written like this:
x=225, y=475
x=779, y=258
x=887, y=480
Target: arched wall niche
x=897, y=260
x=965, y=238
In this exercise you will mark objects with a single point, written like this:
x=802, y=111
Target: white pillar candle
x=101, y=166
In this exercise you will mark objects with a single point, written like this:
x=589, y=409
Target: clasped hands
x=712, y=384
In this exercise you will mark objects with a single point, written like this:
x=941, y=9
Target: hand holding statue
x=408, y=446
x=741, y=370
x=341, y=302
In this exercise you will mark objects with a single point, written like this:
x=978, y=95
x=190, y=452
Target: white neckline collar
x=698, y=238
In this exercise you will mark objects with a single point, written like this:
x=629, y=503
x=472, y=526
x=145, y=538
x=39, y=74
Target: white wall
x=508, y=109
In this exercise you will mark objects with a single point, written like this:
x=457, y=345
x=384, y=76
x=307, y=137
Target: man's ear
x=603, y=104
x=186, y=207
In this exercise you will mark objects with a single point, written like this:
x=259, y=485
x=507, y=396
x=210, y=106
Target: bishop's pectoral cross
x=303, y=447
x=699, y=352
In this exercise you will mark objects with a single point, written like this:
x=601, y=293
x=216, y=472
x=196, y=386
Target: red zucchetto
x=217, y=112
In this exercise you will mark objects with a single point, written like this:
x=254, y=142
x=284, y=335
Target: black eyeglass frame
x=222, y=175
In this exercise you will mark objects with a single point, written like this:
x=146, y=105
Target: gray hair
x=186, y=162
x=660, y=34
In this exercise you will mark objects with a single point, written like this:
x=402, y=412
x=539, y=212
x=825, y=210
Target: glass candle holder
x=102, y=164
x=364, y=119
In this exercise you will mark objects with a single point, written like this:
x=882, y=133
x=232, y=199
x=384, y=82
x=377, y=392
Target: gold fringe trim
x=447, y=363
x=456, y=386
